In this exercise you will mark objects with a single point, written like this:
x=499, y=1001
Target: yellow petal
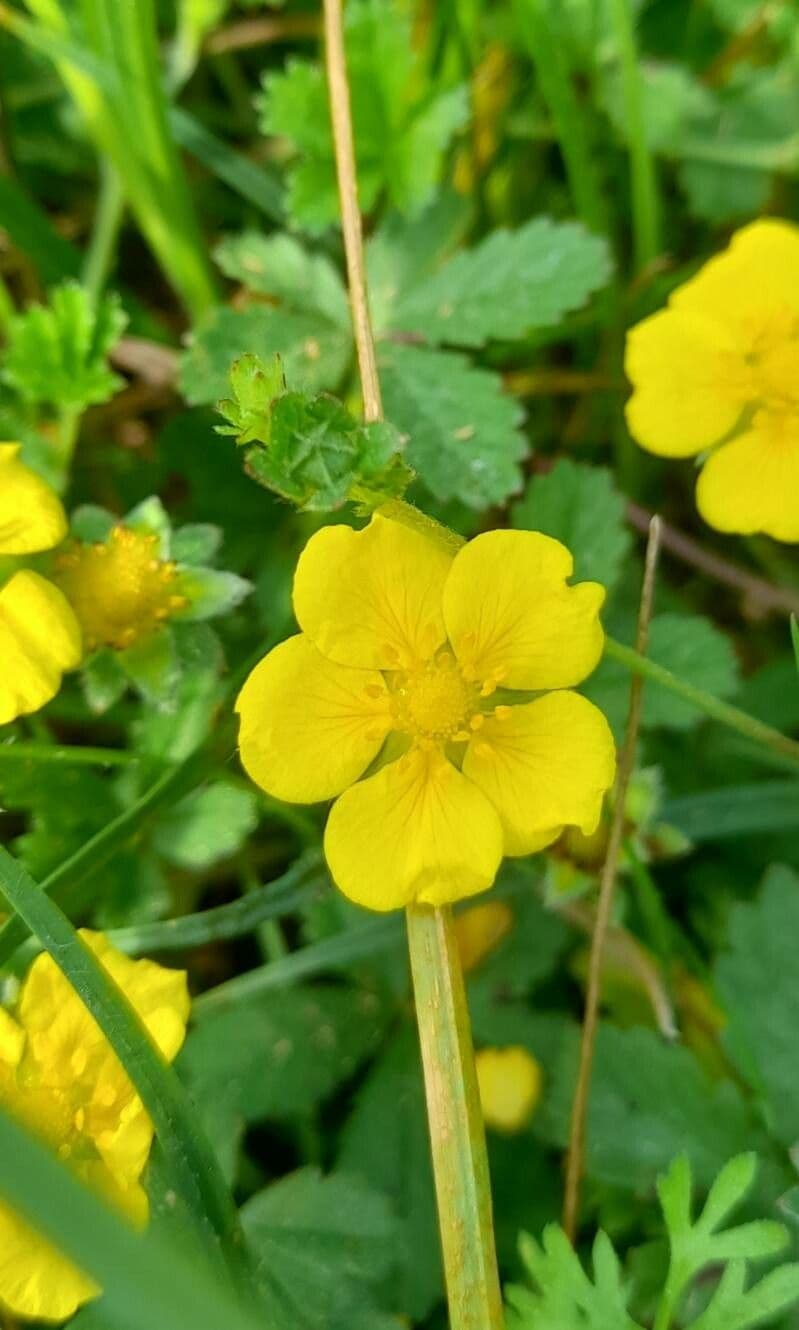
x=689, y=381
x=309, y=727
x=39, y=640
x=509, y=1081
x=546, y=765
x=372, y=598
x=511, y=618
x=757, y=275
x=416, y=831
x=36, y=1281
x=31, y=516
x=752, y=484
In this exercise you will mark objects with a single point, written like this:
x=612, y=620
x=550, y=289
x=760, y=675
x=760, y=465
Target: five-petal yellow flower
x=39, y=635
x=61, y=1078
x=719, y=369
x=405, y=640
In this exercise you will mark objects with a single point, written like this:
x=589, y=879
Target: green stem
x=185, y=1146
x=63, y=882
x=457, y=1135
x=645, y=204
x=57, y=755
x=107, y=221
x=547, y=52
x=731, y=717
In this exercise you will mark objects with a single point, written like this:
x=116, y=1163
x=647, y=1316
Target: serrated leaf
x=580, y=506
x=564, y=1298
x=405, y=251
x=671, y=101
x=758, y=981
x=314, y=354
x=321, y=1245
x=209, y=825
x=386, y=1142
x=510, y=283
x=401, y=128
x=279, y=266
x=462, y=430
x=57, y=353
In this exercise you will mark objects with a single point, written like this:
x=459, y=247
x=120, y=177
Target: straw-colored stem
x=575, y=1160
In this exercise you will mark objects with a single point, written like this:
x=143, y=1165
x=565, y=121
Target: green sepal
x=196, y=543
x=103, y=680
x=91, y=523
x=152, y=666
x=209, y=591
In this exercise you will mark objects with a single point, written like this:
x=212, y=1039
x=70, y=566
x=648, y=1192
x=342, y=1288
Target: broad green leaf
x=322, y=1246
x=736, y=810
x=401, y=128
x=405, y=251
x=758, y=980
x=57, y=353
x=508, y=284
x=283, y=1053
x=462, y=429
x=315, y=354
x=385, y=1141
x=207, y=826
x=580, y=506
x=672, y=99
x=278, y=266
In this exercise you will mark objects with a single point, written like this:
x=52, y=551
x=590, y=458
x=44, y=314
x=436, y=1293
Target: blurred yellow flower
x=120, y=590
x=719, y=369
x=60, y=1077
x=480, y=929
x=405, y=639
x=509, y=1080
x=39, y=634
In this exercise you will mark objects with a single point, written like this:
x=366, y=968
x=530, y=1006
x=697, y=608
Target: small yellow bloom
x=61, y=1078
x=719, y=369
x=39, y=634
x=480, y=929
x=404, y=641
x=119, y=588
x=509, y=1080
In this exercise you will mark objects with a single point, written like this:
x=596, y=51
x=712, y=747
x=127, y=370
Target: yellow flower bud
x=509, y=1080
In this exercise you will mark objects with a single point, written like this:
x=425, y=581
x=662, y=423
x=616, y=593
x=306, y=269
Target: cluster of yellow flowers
x=407, y=641
x=60, y=1076
x=717, y=374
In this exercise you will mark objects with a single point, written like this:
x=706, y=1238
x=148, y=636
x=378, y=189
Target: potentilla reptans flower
x=509, y=1081
x=718, y=371
x=39, y=634
x=405, y=641
x=61, y=1078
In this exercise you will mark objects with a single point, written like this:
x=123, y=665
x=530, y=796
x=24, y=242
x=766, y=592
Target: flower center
x=773, y=360
x=434, y=702
x=120, y=590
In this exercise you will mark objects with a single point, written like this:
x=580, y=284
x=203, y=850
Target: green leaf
x=405, y=251
x=207, y=826
x=508, y=284
x=57, y=353
x=736, y=810
x=401, y=127
x=279, y=267
x=283, y=1053
x=462, y=430
x=758, y=981
x=688, y=645
x=322, y=1245
x=795, y=638
x=210, y=592
x=564, y=1298
x=386, y=1142
x=315, y=354
x=580, y=506
x=672, y=100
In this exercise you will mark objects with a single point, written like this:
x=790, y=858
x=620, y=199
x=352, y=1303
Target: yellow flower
x=509, y=1080
x=480, y=929
x=61, y=1078
x=120, y=590
x=404, y=640
x=39, y=634
x=719, y=369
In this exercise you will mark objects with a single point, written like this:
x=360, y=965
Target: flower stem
x=457, y=1136
x=787, y=750
x=645, y=206
x=110, y=209
x=607, y=884
x=460, y=1162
